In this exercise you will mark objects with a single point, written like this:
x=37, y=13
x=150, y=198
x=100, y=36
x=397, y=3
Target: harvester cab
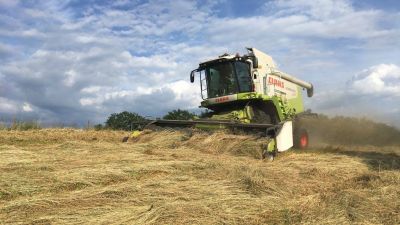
x=249, y=93
x=250, y=80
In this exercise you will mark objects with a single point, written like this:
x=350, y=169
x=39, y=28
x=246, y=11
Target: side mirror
x=255, y=62
x=192, y=76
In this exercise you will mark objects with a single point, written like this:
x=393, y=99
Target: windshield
x=228, y=78
x=243, y=76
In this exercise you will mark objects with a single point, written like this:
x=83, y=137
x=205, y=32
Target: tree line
x=131, y=121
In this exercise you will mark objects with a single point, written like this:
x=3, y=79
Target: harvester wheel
x=269, y=155
x=300, y=139
x=269, y=150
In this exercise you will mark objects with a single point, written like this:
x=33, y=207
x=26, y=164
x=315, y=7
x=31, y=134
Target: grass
x=20, y=125
x=58, y=176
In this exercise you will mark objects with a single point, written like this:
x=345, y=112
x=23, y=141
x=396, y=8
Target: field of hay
x=70, y=176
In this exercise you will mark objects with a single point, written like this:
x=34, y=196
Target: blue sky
x=73, y=61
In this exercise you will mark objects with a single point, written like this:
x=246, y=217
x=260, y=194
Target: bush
x=25, y=125
x=206, y=113
x=98, y=126
x=179, y=115
x=125, y=121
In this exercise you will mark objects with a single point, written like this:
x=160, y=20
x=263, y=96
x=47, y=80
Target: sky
x=69, y=62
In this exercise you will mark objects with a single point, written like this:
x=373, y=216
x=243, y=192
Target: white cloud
x=183, y=92
x=9, y=3
x=7, y=50
x=32, y=33
x=70, y=78
x=26, y=107
x=85, y=39
x=102, y=95
x=8, y=106
x=187, y=91
x=377, y=80
x=322, y=9
x=320, y=19
x=154, y=61
x=91, y=89
x=89, y=101
x=372, y=93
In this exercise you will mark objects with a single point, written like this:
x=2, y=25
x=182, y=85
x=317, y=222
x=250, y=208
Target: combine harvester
x=250, y=94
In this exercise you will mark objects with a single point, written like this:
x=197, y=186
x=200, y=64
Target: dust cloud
x=349, y=131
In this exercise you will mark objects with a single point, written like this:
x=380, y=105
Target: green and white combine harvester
x=250, y=94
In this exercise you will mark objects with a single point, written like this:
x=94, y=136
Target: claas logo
x=276, y=82
x=222, y=99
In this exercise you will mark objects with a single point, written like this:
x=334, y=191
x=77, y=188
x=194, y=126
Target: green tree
x=206, y=113
x=125, y=121
x=179, y=115
x=98, y=126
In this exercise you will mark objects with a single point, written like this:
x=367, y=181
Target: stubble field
x=70, y=176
